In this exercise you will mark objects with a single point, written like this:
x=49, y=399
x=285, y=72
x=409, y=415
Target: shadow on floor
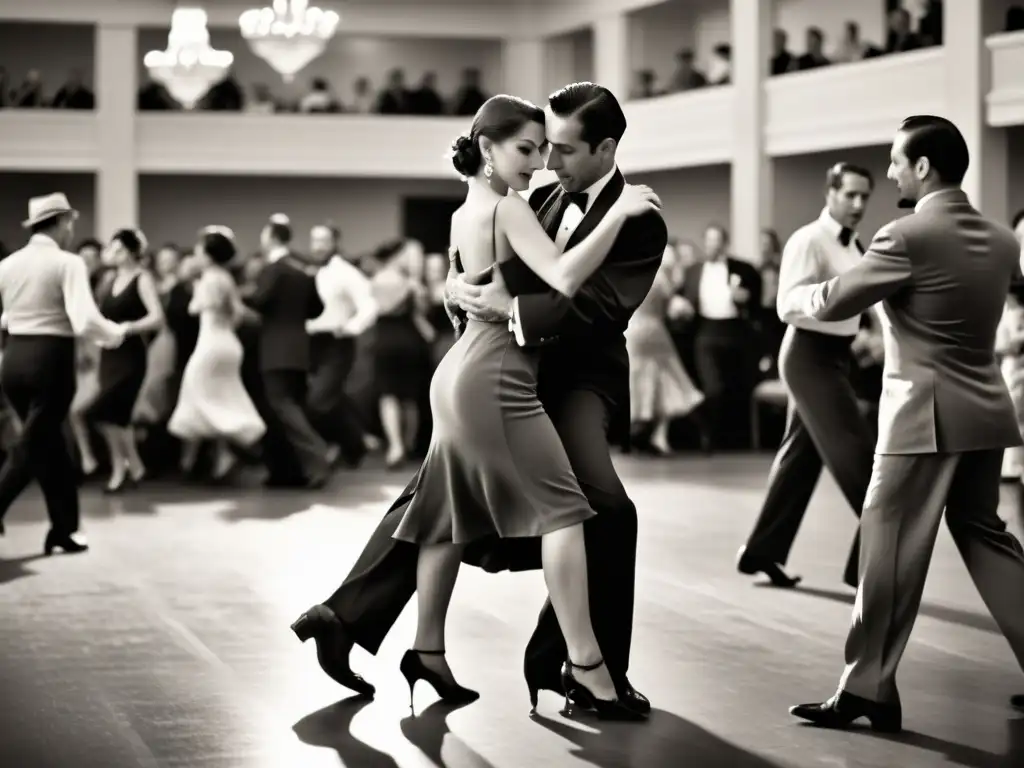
x=331, y=728
x=664, y=741
x=12, y=570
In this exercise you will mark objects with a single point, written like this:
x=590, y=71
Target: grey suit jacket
x=942, y=275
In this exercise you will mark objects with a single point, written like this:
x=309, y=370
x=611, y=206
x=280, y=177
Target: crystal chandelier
x=289, y=35
x=190, y=65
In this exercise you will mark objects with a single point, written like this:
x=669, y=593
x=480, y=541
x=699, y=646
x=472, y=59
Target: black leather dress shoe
x=333, y=647
x=1017, y=701
x=751, y=564
x=843, y=708
x=635, y=700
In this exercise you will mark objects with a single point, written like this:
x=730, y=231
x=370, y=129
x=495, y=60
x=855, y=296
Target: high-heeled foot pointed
x=413, y=670
x=69, y=543
x=606, y=709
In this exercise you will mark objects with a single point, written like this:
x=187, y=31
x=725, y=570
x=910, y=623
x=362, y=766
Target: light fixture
x=190, y=65
x=288, y=35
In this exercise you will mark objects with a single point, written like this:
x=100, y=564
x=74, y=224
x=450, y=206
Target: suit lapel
x=598, y=210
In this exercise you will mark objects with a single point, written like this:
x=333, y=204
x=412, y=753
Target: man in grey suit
x=942, y=275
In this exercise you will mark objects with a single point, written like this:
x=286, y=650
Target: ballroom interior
x=168, y=644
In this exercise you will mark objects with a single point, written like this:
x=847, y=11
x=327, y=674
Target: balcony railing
x=852, y=105
x=1005, y=100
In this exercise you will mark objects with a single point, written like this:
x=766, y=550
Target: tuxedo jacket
x=580, y=340
x=739, y=270
x=285, y=297
x=942, y=275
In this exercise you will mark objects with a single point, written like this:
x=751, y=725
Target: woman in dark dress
x=129, y=297
x=496, y=467
x=401, y=350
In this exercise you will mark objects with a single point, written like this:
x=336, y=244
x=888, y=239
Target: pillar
x=117, y=184
x=523, y=61
x=966, y=23
x=611, y=54
x=751, y=187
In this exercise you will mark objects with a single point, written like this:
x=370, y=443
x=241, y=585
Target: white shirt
x=814, y=254
x=45, y=292
x=349, y=308
x=715, y=291
x=929, y=196
x=276, y=254
x=571, y=218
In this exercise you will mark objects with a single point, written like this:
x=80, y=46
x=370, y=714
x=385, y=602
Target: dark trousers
x=824, y=426
x=38, y=379
x=725, y=354
x=294, y=449
x=331, y=410
x=383, y=579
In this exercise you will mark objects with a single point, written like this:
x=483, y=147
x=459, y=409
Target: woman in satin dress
x=496, y=467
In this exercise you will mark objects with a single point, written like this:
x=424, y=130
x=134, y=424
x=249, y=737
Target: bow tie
x=846, y=235
x=579, y=199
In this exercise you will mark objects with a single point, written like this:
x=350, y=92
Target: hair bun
x=466, y=155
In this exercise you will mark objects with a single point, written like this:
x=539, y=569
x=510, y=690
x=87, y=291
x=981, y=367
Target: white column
x=117, y=184
x=611, y=54
x=523, y=60
x=968, y=81
x=751, y=177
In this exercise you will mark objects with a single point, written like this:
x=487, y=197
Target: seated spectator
x=73, y=94
x=425, y=100
x=30, y=92
x=262, y=101
x=782, y=60
x=645, y=86
x=720, y=71
x=687, y=76
x=363, y=99
x=901, y=38
x=815, y=55
x=154, y=97
x=852, y=48
x=470, y=96
x=319, y=98
x=395, y=98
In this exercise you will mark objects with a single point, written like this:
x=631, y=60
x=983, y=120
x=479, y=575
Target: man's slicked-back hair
x=597, y=109
x=834, y=176
x=941, y=142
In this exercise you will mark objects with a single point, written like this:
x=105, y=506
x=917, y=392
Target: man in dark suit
x=584, y=386
x=722, y=293
x=945, y=416
x=286, y=297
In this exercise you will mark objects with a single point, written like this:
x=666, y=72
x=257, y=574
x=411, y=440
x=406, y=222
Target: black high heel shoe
x=606, y=709
x=413, y=669
x=66, y=542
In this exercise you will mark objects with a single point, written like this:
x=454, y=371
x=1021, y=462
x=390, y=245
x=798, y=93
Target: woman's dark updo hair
x=500, y=118
x=218, y=245
x=132, y=240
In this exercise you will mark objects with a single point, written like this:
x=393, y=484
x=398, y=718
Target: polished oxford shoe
x=751, y=564
x=332, y=647
x=844, y=708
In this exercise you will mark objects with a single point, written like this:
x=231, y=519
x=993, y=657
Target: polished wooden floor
x=168, y=643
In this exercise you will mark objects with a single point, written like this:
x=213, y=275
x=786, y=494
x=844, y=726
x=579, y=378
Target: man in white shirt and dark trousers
x=349, y=310
x=47, y=301
x=824, y=423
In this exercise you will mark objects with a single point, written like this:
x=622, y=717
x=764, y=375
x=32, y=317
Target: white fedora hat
x=46, y=207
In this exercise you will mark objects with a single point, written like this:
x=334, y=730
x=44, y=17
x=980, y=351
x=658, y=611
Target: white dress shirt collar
x=276, y=254
x=833, y=227
x=597, y=187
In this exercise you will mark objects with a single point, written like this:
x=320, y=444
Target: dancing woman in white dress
x=213, y=404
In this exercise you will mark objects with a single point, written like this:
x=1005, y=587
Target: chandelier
x=190, y=65
x=289, y=35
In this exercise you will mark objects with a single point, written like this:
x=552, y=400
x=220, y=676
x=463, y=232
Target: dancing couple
x=518, y=474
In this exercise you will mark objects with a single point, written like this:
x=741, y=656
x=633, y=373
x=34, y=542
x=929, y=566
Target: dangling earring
x=488, y=168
